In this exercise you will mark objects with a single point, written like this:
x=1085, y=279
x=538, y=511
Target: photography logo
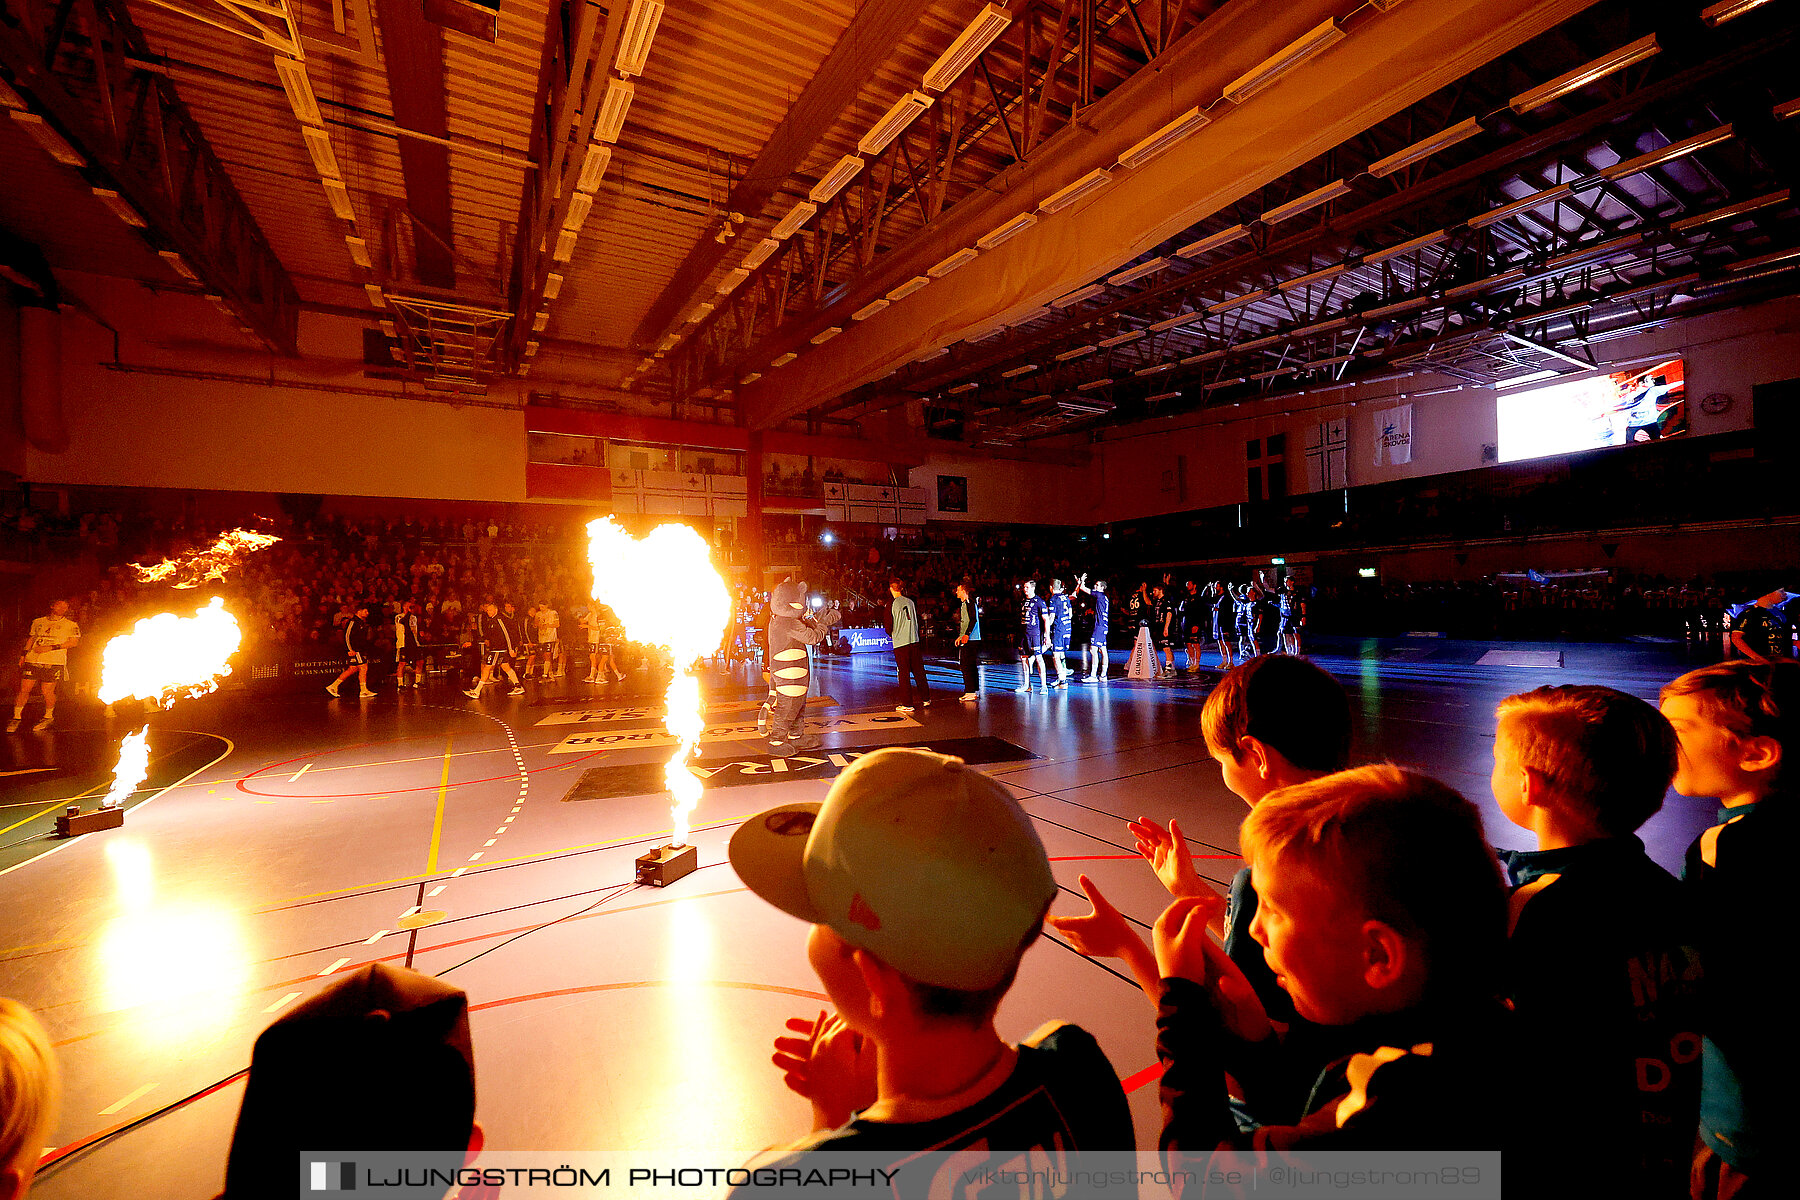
x=331, y=1177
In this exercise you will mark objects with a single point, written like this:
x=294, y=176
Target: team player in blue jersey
x=1094, y=661
x=1062, y=627
x=1034, y=636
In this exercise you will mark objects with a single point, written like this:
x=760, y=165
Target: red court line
x=1149, y=1074
x=76, y=1147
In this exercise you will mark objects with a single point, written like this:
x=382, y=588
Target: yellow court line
x=437, y=822
x=230, y=749
x=97, y=787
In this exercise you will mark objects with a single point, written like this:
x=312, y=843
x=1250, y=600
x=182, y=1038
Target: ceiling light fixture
x=908, y=288
x=1141, y=153
x=1315, y=40
x=1306, y=203
x=613, y=107
x=906, y=110
x=593, y=166
x=759, y=253
x=834, y=180
x=339, y=197
x=359, y=250
x=1727, y=10
x=826, y=334
x=1088, y=184
x=552, y=285
x=981, y=33
x=1424, y=148
x=292, y=73
x=1133, y=274
x=944, y=266
x=870, y=309
x=640, y=29
x=1592, y=72
x=1213, y=241
x=797, y=216
x=1407, y=247
x=1006, y=231
x=1078, y=295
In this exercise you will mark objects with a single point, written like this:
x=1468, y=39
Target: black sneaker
x=783, y=749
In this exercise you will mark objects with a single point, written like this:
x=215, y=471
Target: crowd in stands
x=1376, y=978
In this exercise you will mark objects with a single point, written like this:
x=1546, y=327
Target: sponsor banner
x=735, y=731
x=644, y=779
x=866, y=641
x=618, y=715
x=1393, y=435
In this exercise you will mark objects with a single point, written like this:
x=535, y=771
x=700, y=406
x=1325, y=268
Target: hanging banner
x=1393, y=436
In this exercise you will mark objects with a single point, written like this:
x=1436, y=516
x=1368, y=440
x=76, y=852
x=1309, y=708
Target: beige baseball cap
x=919, y=859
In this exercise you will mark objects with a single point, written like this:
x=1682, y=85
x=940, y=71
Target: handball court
x=281, y=841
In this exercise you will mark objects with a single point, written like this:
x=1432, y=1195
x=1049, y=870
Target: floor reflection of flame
x=181, y=967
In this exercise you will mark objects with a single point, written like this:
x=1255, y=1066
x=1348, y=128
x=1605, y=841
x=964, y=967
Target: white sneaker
x=903, y=708
x=1023, y=690
x=473, y=693
x=12, y=726
x=365, y=693
x=331, y=689
x=43, y=725
x=517, y=691
x=970, y=696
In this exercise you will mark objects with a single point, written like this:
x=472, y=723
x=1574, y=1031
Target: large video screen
x=1644, y=405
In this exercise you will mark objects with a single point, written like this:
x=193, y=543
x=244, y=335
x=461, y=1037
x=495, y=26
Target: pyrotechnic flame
x=164, y=658
x=195, y=568
x=134, y=764
x=665, y=592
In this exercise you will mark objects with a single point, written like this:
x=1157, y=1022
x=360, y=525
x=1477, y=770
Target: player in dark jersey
x=497, y=644
x=1194, y=619
x=409, y=647
x=359, y=648
x=1062, y=623
x=1759, y=633
x=1219, y=605
x=1094, y=660
x=1162, y=628
x=1034, y=636
x=1245, y=616
x=1293, y=615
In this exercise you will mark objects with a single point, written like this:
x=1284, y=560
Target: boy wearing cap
x=924, y=882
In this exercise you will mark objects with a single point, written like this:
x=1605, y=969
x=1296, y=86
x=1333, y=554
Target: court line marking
x=230, y=748
x=374, y=937
x=100, y=787
x=114, y=1107
x=437, y=822
x=295, y=777
x=334, y=966
x=283, y=1002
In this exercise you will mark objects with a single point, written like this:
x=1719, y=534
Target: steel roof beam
x=414, y=50
x=137, y=139
x=878, y=27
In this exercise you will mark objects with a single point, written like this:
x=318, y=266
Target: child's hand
x=832, y=1065
x=1181, y=938
x=1167, y=853
x=1103, y=933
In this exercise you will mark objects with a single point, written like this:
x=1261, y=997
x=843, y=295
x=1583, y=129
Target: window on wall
x=1275, y=465
x=1253, y=483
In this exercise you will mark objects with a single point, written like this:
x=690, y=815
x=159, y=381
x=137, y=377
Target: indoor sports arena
x=848, y=598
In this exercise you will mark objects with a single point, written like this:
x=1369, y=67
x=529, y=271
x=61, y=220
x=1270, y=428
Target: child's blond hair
x=1607, y=756
x=29, y=1087
x=1405, y=848
x=1748, y=699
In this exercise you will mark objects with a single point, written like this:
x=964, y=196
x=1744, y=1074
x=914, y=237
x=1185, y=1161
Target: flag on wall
x=1327, y=456
x=1393, y=435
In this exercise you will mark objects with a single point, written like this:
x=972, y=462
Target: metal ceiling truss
x=272, y=23
x=580, y=41
x=450, y=346
x=75, y=65
x=1056, y=58
x=1482, y=265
